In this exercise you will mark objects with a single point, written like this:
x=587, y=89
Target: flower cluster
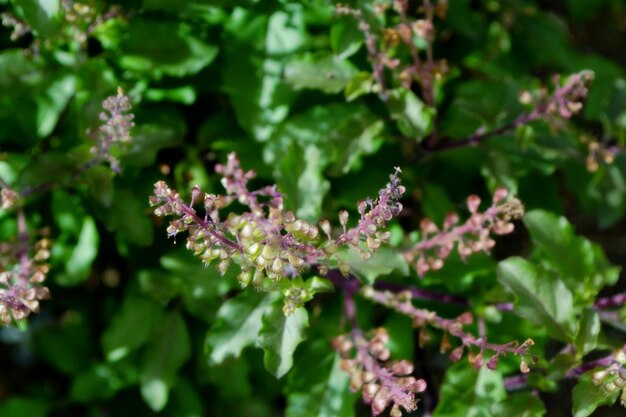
x=402, y=303
x=374, y=218
x=387, y=49
x=19, y=27
x=562, y=104
x=474, y=235
x=266, y=241
x=116, y=129
x=382, y=383
x=598, y=153
x=82, y=18
x=8, y=197
x=21, y=278
x=612, y=378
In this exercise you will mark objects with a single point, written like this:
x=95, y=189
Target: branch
x=564, y=103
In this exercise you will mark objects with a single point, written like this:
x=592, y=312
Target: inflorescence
x=265, y=240
x=22, y=276
x=382, y=382
x=470, y=237
x=118, y=121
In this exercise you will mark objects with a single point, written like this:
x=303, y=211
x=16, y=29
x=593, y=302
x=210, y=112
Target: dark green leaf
x=24, y=407
x=321, y=390
x=520, y=405
x=131, y=327
x=167, y=352
x=163, y=47
x=588, y=332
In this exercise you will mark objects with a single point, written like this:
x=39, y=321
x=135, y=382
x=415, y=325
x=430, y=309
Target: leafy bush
x=312, y=209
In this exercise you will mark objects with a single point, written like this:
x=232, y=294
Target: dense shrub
x=215, y=208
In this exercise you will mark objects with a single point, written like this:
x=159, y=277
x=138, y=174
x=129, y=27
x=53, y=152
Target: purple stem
x=612, y=301
x=518, y=381
x=541, y=111
x=350, y=286
x=421, y=294
x=515, y=382
x=480, y=136
x=581, y=369
x=22, y=235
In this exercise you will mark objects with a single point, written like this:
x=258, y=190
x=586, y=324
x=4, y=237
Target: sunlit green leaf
x=588, y=396
x=239, y=321
x=541, y=297
x=280, y=336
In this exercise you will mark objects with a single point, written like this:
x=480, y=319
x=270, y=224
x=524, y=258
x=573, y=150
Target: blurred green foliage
x=137, y=326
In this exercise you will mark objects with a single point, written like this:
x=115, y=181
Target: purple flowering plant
x=310, y=209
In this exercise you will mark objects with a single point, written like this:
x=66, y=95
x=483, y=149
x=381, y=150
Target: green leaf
x=520, y=405
x=413, y=117
x=47, y=166
x=24, y=407
x=163, y=47
x=261, y=99
x=582, y=265
x=541, y=297
x=317, y=284
x=96, y=384
x=467, y=392
x=319, y=72
x=322, y=390
x=41, y=15
x=131, y=327
x=359, y=85
x=300, y=176
x=78, y=264
x=167, y=352
x=588, y=332
x=280, y=336
x=66, y=345
x=238, y=323
x=201, y=288
x=383, y=262
x=53, y=102
x=588, y=396
x=361, y=135
x=155, y=393
x=345, y=37
x=127, y=216
x=162, y=127
x=99, y=181
x=285, y=31
x=185, y=94
x=185, y=401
